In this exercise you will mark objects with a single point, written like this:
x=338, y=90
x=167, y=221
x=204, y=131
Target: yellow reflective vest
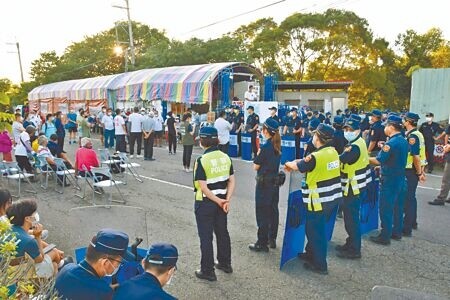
x=423, y=157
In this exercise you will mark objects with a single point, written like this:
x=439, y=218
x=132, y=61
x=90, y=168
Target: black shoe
x=67, y=260
x=379, y=240
x=415, y=226
x=311, y=267
x=151, y=159
x=341, y=247
x=272, y=244
x=339, y=215
x=211, y=276
x=348, y=254
x=258, y=248
x=304, y=256
x=448, y=200
x=396, y=237
x=406, y=234
x=226, y=268
x=436, y=202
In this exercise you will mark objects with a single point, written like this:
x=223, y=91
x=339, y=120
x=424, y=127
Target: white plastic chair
x=14, y=172
x=68, y=174
x=104, y=172
x=130, y=166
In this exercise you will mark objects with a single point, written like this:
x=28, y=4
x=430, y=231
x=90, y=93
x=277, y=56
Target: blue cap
x=412, y=116
x=111, y=242
x=273, y=108
x=353, y=122
x=162, y=254
x=294, y=109
x=377, y=113
x=313, y=124
x=251, y=107
x=208, y=132
x=271, y=124
x=338, y=120
x=393, y=119
x=325, y=131
x=328, y=113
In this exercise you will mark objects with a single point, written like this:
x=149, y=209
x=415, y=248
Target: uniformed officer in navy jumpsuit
x=392, y=159
x=376, y=133
x=103, y=258
x=251, y=126
x=267, y=165
x=213, y=186
x=159, y=265
x=293, y=127
x=309, y=147
x=339, y=140
x=238, y=122
x=431, y=132
x=273, y=114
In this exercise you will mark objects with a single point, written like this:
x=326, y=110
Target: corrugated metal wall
x=430, y=92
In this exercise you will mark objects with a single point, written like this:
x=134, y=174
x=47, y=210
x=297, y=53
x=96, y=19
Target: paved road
x=164, y=212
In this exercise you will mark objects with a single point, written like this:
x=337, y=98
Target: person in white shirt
x=99, y=118
x=36, y=120
x=23, y=149
x=17, y=128
x=120, y=131
x=135, y=121
x=250, y=95
x=108, y=128
x=223, y=130
x=159, y=122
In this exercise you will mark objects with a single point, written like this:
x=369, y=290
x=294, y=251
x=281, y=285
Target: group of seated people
x=105, y=255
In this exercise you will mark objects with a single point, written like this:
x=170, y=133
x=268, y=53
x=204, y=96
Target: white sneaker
x=139, y=156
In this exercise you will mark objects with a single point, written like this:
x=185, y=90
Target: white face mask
x=429, y=119
x=351, y=135
x=362, y=116
x=170, y=279
x=113, y=272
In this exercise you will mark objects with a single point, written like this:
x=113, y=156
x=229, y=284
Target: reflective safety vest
x=423, y=157
x=217, y=169
x=356, y=175
x=323, y=184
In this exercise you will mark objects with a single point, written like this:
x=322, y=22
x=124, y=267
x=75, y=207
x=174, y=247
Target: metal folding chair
x=102, y=183
x=45, y=170
x=105, y=158
x=88, y=181
x=68, y=174
x=15, y=172
x=130, y=166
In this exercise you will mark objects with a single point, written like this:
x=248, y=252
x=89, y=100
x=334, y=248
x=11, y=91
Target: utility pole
x=130, y=31
x=20, y=59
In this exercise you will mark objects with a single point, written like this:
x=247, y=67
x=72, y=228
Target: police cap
x=208, y=132
x=338, y=120
x=430, y=114
x=271, y=125
x=251, y=107
x=162, y=254
x=328, y=113
x=353, y=122
x=325, y=131
x=294, y=109
x=111, y=242
x=313, y=124
x=273, y=108
x=412, y=116
x=377, y=113
x=393, y=119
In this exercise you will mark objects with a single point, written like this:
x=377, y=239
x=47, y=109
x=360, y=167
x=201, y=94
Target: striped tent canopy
x=184, y=84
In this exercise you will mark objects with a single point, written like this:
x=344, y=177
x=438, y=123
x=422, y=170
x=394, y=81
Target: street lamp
x=118, y=50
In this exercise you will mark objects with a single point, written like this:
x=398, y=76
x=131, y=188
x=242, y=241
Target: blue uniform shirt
x=429, y=131
x=414, y=143
x=350, y=155
x=377, y=135
x=293, y=124
x=142, y=287
x=252, y=120
x=268, y=161
x=393, y=157
x=82, y=282
x=339, y=140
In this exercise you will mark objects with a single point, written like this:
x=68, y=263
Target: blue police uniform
x=81, y=281
x=339, y=140
x=237, y=122
x=309, y=144
x=328, y=119
x=393, y=185
x=266, y=193
x=377, y=133
x=146, y=285
x=429, y=131
x=252, y=121
x=295, y=123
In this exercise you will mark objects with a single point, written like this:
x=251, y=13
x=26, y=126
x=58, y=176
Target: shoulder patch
x=386, y=148
x=348, y=149
x=412, y=141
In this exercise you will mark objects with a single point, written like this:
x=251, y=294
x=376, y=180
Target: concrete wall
x=332, y=100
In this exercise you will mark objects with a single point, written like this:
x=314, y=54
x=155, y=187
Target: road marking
x=428, y=188
x=200, y=154
x=168, y=182
x=432, y=175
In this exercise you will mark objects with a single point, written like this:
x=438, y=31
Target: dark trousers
x=239, y=141
x=24, y=164
x=135, y=137
x=224, y=148
x=109, y=138
x=61, y=142
x=172, y=142
x=297, y=147
x=187, y=154
x=148, y=146
x=267, y=214
x=429, y=151
x=316, y=246
x=253, y=141
x=121, y=145
x=212, y=219
x=392, y=194
x=350, y=207
x=445, y=185
x=412, y=180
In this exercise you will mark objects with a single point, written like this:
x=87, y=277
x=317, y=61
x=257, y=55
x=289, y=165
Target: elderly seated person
x=24, y=218
x=86, y=159
x=43, y=151
x=57, y=150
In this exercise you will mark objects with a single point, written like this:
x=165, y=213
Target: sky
x=46, y=25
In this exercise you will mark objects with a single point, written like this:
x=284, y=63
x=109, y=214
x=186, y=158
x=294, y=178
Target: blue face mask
x=351, y=135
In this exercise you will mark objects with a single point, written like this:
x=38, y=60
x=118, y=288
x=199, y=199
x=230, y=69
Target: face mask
x=113, y=272
x=350, y=136
x=109, y=114
x=429, y=119
x=170, y=279
x=104, y=110
x=362, y=116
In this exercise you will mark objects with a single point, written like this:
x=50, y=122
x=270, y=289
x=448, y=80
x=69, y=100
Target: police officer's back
x=309, y=147
x=376, y=133
x=160, y=266
x=339, y=140
x=103, y=257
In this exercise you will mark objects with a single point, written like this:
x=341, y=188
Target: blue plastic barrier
x=369, y=206
x=303, y=142
x=287, y=149
x=246, y=144
x=233, y=147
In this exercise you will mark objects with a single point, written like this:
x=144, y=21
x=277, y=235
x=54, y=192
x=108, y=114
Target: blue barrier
x=246, y=144
x=303, y=142
x=233, y=147
x=369, y=206
x=287, y=149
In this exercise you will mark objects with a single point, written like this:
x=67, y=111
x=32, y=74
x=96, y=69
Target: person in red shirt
x=85, y=156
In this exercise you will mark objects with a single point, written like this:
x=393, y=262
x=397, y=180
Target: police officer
x=159, y=266
x=392, y=159
x=328, y=119
x=252, y=124
x=309, y=147
x=294, y=128
x=267, y=192
x=213, y=186
x=339, y=140
x=431, y=132
x=376, y=133
x=321, y=191
x=103, y=258
x=355, y=174
x=321, y=116
x=273, y=114
x=415, y=165
x=364, y=124
x=237, y=126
